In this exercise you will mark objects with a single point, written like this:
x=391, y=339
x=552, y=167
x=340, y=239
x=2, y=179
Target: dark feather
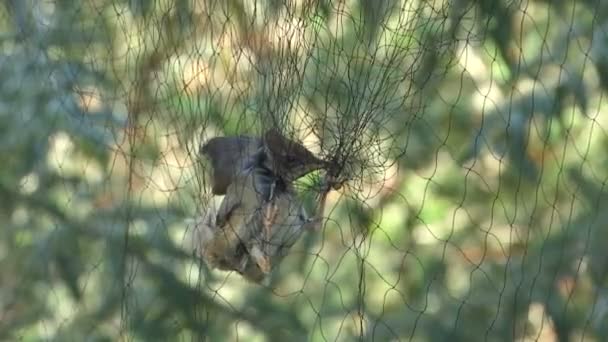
x=229, y=156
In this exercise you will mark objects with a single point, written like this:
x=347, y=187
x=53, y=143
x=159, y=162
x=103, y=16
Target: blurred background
x=473, y=135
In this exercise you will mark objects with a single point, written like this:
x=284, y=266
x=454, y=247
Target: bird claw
x=271, y=211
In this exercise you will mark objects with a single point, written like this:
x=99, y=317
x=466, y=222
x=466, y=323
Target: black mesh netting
x=469, y=137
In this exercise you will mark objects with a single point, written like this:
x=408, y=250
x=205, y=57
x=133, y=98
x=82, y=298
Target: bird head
x=289, y=159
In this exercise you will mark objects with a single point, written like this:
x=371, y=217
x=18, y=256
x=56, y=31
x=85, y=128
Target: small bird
x=260, y=217
x=230, y=156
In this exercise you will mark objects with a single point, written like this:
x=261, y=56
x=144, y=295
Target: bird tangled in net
x=260, y=216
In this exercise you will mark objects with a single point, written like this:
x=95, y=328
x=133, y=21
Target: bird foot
x=271, y=211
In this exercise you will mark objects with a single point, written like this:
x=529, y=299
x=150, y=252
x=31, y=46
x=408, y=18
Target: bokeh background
x=473, y=134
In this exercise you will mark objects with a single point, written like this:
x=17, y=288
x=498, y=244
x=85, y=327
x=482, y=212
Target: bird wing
x=240, y=195
x=227, y=208
x=229, y=156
